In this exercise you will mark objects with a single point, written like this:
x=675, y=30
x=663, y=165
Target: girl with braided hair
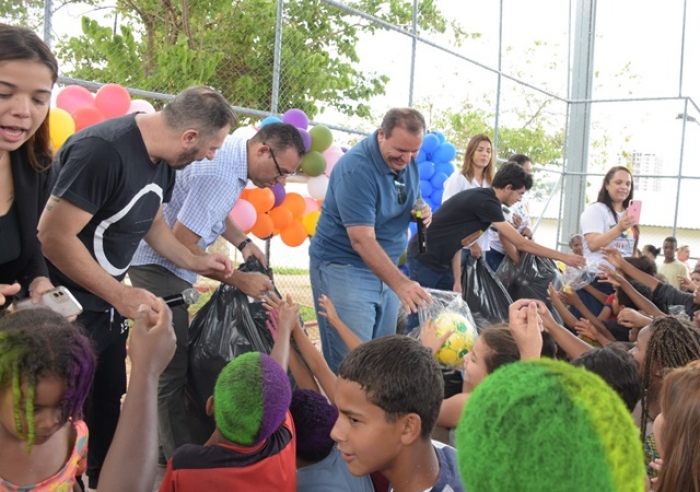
x=667, y=343
x=46, y=369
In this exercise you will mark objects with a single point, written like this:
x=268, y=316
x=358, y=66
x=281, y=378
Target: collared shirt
x=362, y=191
x=204, y=194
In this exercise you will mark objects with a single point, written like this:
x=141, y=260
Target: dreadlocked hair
x=35, y=344
x=674, y=342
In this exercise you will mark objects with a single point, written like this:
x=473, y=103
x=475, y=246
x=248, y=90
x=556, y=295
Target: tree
x=165, y=46
x=25, y=13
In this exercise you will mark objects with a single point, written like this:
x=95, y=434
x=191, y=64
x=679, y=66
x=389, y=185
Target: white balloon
x=245, y=132
x=141, y=106
x=317, y=187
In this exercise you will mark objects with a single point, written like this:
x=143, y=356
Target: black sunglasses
x=400, y=188
x=283, y=174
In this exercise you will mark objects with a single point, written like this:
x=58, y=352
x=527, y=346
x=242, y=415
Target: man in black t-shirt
x=462, y=219
x=114, y=178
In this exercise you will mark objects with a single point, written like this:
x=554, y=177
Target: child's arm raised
x=316, y=362
x=571, y=344
x=135, y=443
x=568, y=318
x=525, y=325
x=349, y=338
x=287, y=319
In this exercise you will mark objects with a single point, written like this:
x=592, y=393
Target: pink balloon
x=332, y=156
x=311, y=205
x=244, y=215
x=73, y=97
x=113, y=100
x=141, y=106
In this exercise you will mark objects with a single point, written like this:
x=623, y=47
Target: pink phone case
x=635, y=210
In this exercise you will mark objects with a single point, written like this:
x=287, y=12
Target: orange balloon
x=294, y=235
x=244, y=193
x=262, y=199
x=86, y=116
x=295, y=203
x=281, y=217
x=263, y=227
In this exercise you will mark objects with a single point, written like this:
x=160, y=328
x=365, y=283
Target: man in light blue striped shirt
x=198, y=213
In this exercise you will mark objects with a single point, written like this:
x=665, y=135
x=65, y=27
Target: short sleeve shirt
x=204, y=194
x=458, y=182
x=598, y=218
x=364, y=191
x=460, y=216
x=106, y=171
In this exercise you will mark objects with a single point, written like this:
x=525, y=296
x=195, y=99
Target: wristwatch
x=244, y=243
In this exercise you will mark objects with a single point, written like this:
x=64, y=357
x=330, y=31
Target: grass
x=290, y=271
x=308, y=313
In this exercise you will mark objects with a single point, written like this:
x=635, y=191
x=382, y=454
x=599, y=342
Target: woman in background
x=477, y=170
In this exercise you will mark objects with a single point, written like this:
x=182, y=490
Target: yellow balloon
x=61, y=126
x=310, y=220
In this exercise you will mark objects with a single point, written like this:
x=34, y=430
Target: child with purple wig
x=46, y=369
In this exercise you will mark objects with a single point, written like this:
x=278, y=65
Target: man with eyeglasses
x=463, y=218
x=198, y=215
x=362, y=232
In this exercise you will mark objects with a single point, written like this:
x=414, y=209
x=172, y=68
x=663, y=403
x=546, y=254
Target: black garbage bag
x=229, y=325
x=484, y=293
x=530, y=279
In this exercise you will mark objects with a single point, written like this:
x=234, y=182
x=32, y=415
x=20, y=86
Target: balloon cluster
x=271, y=211
x=434, y=166
x=321, y=153
x=77, y=108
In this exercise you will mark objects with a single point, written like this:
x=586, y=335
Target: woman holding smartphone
x=28, y=71
x=606, y=224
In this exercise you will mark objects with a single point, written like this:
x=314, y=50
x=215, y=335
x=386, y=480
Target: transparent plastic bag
x=445, y=301
x=577, y=278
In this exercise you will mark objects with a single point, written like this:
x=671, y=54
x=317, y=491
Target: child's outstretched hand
x=288, y=316
x=328, y=310
x=153, y=340
x=429, y=339
x=585, y=328
x=569, y=298
x=526, y=327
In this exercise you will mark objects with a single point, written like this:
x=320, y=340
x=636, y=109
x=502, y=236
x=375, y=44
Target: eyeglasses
x=282, y=174
x=400, y=188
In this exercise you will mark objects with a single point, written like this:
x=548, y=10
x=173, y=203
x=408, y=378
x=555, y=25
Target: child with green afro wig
x=544, y=425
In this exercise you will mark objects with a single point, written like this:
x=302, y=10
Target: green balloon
x=313, y=164
x=321, y=138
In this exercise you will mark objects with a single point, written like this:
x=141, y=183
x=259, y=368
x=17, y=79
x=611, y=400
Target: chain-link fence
x=579, y=89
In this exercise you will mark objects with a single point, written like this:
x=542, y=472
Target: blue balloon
x=440, y=136
x=426, y=169
x=445, y=152
x=425, y=188
x=430, y=203
x=421, y=156
x=438, y=180
x=413, y=227
x=444, y=167
x=268, y=120
x=430, y=143
x=436, y=197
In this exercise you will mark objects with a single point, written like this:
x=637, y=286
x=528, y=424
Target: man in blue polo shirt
x=362, y=232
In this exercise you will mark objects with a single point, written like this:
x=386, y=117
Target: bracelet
x=244, y=243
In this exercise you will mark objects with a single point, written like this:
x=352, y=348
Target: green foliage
x=229, y=45
x=25, y=13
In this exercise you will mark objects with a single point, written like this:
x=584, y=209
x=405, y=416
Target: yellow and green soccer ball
x=459, y=343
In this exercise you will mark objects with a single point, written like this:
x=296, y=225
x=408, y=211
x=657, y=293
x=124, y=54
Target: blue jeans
x=363, y=302
x=429, y=278
x=494, y=259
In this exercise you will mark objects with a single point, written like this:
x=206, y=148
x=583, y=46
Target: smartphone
x=58, y=300
x=634, y=210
